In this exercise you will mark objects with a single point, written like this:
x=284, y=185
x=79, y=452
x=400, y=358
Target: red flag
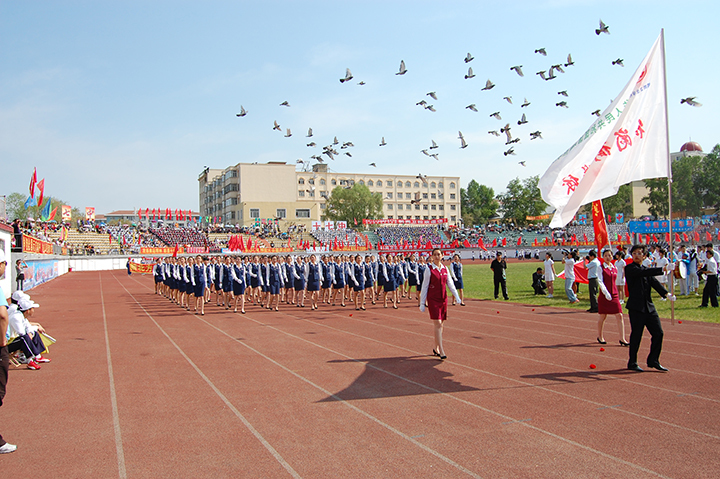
x=677, y=238
x=355, y=221
x=313, y=244
x=147, y=214
x=175, y=252
x=585, y=237
x=574, y=238
x=708, y=236
x=428, y=245
x=519, y=241
x=628, y=237
x=599, y=225
x=504, y=242
x=109, y=238
x=685, y=238
x=41, y=187
x=535, y=243
x=33, y=181
x=655, y=239
x=481, y=244
x=494, y=245
x=696, y=236
x=667, y=237
x=52, y=214
x=466, y=243
x=249, y=245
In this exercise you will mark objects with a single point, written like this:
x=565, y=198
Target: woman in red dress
x=434, y=292
x=608, y=301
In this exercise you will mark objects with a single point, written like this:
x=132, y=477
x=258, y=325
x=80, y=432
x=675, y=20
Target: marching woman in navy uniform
x=388, y=270
x=402, y=266
x=168, y=278
x=200, y=276
x=421, y=273
x=274, y=280
x=227, y=283
x=189, y=282
x=313, y=273
x=435, y=280
x=177, y=279
x=238, y=284
x=456, y=271
x=357, y=276
x=180, y=281
x=218, y=280
x=289, y=283
x=210, y=278
x=263, y=280
x=327, y=280
x=399, y=277
x=338, y=280
x=299, y=282
x=157, y=275
x=369, y=281
x=254, y=270
x=381, y=275
x=412, y=276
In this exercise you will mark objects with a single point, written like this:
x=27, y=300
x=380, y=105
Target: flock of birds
x=330, y=151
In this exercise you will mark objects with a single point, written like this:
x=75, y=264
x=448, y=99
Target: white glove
x=670, y=297
x=608, y=296
x=422, y=308
x=672, y=266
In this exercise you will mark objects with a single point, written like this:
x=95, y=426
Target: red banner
x=404, y=222
x=33, y=245
x=148, y=250
x=599, y=225
x=141, y=268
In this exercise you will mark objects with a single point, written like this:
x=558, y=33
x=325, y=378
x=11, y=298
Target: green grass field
x=479, y=285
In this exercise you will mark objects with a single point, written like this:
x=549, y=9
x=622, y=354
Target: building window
x=452, y=218
x=417, y=206
x=433, y=207
x=425, y=217
x=311, y=181
x=400, y=206
x=388, y=183
x=434, y=217
x=407, y=185
x=432, y=196
x=390, y=217
x=322, y=206
x=440, y=184
x=389, y=195
x=389, y=206
x=399, y=184
x=311, y=193
x=408, y=196
x=424, y=196
x=425, y=207
x=301, y=181
x=323, y=194
x=452, y=186
x=432, y=185
x=452, y=207
x=301, y=194
x=417, y=217
x=441, y=196
x=379, y=183
x=322, y=181
x=370, y=182
x=417, y=184
x=254, y=212
x=361, y=182
x=333, y=182
x=441, y=207
x=452, y=196
x=302, y=213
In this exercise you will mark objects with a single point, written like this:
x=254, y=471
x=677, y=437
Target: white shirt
x=712, y=266
x=549, y=269
x=620, y=266
x=661, y=263
x=570, y=268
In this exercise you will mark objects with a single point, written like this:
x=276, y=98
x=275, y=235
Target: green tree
x=710, y=178
x=657, y=198
x=477, y=203
x=15, y=208
x=356, y=203
x=522, y=199
x=687, y=185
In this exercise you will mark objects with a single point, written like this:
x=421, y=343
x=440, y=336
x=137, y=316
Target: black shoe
x=435, y=353
x=635, y=367
x=601, y=342
x=623, y=343
x=703, y=306
x=443, y=357
x=592, y=310
x=658, y=367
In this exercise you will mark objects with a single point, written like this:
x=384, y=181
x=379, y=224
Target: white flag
x=628, y=142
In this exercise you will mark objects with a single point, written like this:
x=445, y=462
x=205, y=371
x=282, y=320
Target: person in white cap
x=5, y=447
x=28, y=340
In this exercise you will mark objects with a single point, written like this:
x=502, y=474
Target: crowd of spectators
x=345, y=235
x=181, y=236
x=411, y=234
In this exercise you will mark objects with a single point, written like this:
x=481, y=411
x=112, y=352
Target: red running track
x=139, y=388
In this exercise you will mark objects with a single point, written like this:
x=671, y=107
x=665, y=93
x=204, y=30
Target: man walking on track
x=642, y=310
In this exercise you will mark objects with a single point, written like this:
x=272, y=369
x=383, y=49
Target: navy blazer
x=639, y=281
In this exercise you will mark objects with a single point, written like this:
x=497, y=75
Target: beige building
x=247, y=192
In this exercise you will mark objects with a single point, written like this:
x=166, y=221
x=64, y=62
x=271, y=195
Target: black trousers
x=638, y=322
x=30, y=347
x=593, y=291
x=498, y=282
x=710, y=291
x=4, y=367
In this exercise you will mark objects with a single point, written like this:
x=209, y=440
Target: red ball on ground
x=680, y=322
x=592, y=366
x=602, y=349
x=498, y=312
x=351, y=315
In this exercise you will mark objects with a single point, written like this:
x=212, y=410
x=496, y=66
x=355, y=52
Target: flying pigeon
x=422, y=177
x=508, y=99
x=348, y=154
x=558, y=67
x=596, y=112
x=348, y=76
x=536, y=134
x=570, y=61
x=562, y=104
x=463, y=144
x=309, y=133
x=430, y=107
x=382, y=142
x=518, y=70
x=434, y=145
x=402, y=70
x=311, y=144
x=276, y=127
x=347, y=144
x=425, y=152
x=335, y=141
x=417, y=198
x=525, y=103
x=496, y=115
x=541, y=51
x=243, y=112
x=329, y=153
x=421, y=103
x=470, y=74
x=603, y=29
x=511, y=151
x=285, y=103
x=288, y=134
x=471, y=107
x=435, y=155
x=299, y=161
x=690, y=101
x=521, y=163
x=469, y=58
x=551, y=74
x=522, y=120
x=619, y=61
x=514, y=140
x=542, y=74
x=488, y=85
x=432, y=95
x=361, y=83
x=494, y=132
x=373, y=164
x=563, y=93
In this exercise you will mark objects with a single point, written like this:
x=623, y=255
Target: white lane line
x=217, y=391
x=122, y=472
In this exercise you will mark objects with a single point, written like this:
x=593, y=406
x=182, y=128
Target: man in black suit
x=642, y=310
x=499, y=266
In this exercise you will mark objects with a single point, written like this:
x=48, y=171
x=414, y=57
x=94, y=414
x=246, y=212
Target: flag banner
x=599, y=226
x=41, y=186
x=33, y=182
x=66, y=212
x=329, y=225
x=45, y=213
x=404, y=222
x=581, y=275
x=89, y=213
x=341, y=225
x=30, y=202
x=140, y=268
x=534, y=218
x=660, y=226
x=619, y=218
x=628, y=142
x=31, y=244
x=52, y=213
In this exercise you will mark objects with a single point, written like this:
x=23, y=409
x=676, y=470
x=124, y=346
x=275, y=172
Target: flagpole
x=669, y=160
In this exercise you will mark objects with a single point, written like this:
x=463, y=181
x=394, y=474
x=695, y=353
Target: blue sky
x=121, y=104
